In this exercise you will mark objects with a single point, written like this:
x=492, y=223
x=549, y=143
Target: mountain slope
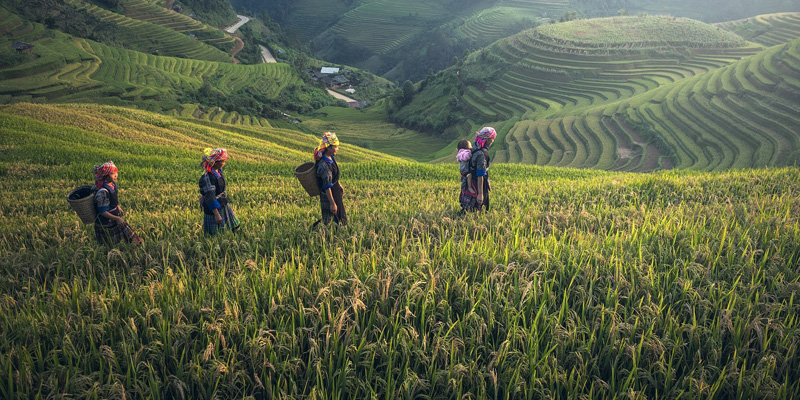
x=62, y=68
x=561, y=96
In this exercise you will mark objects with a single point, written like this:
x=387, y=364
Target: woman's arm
x=112, y=216
x=328, y=192
x=209, y=199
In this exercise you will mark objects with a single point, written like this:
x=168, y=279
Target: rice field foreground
x=577, y=284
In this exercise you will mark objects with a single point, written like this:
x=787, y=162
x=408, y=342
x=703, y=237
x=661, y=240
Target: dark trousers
x=341, y=216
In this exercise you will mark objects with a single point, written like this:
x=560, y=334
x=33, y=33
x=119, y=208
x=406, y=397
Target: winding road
x=242, y=20
x=266, y=56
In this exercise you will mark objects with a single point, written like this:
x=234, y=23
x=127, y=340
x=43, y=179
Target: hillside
x=768, y=30
x=740, y=116
x=578, y=283
x=67, y=69
x=404, y=39
x=574, y=94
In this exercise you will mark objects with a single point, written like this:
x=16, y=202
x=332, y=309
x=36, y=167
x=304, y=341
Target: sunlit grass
x=577, y=283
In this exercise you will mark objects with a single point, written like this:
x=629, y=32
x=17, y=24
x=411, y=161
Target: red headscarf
x=101, y=171
x=212, y=156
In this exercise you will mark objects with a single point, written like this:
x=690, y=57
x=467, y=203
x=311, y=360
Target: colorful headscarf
x=464, y=155
x=212, y=156
x=328, y=139
x=483, y=135
x=101, y=171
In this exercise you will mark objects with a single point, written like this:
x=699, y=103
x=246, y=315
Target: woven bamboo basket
x=82, y=201
x=307, y=176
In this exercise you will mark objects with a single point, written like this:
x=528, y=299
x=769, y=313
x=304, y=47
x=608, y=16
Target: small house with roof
x=22, y=47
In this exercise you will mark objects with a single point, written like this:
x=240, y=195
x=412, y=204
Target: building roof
x=21, y=46
x=340, y=79
x=329, y=70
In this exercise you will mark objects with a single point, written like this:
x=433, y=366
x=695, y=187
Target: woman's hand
x=217, y=217
x=334, y=209
x=480, y=199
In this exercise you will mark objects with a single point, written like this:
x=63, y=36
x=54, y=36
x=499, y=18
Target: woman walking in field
x=479, y=171
x=218, y=215
x=109, y=227
x=331, y=191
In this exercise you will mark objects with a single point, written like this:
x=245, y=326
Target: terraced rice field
x=742, y=115
x=154, y=38
x=383, y=25
x=196, y=111
x=71, y=69
x=148, y=11
x=768, y=30
x=13, y=28
x=576, y=284
x=491, y=24
x=550, y=75
x=311, y=17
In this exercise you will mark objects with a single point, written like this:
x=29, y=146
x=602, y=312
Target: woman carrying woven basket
x=217, y=213
x=331, y=191
x=479, y=169
x=109, y=226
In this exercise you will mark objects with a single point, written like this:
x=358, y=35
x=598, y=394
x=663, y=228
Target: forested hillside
x=403, y=40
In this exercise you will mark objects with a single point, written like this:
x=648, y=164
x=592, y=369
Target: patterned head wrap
x=483, y=135
x=101, y=171
x=328, y=139
x=212, y=156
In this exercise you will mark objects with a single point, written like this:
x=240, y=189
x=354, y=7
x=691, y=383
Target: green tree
x=408, y=92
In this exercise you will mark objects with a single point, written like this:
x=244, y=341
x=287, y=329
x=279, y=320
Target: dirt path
x=242, y=20
x=237, y=48
x=340, y=96
x=266, y=56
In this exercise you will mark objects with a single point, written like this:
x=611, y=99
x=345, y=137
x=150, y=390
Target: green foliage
x=576, y=284
x=217, y=13
x=56, y=14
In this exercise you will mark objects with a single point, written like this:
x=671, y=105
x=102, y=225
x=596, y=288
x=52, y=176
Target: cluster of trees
x=446, y=88
x=55, y=14
x=295, y=98
x=213, y=12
